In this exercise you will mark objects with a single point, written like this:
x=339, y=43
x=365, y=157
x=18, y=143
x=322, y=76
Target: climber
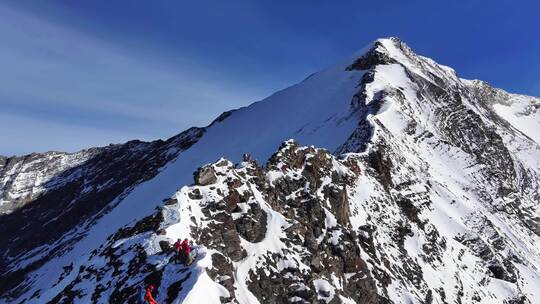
x=148, y=295
x=178, y=250
x=186, y=250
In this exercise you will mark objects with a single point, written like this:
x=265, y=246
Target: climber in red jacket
x=148, y=295
x=186, y=249
x=178, y=250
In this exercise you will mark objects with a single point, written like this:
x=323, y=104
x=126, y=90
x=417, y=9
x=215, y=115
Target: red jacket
x=178, y=246
x=186, y=249
x=148, y=297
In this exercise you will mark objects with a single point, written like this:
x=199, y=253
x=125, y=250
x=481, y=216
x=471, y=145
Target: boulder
x=205, y=176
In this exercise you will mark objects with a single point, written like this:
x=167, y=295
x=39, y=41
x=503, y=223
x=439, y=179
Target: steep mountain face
x=420, y=187
x=48, y=195
x=24, y=178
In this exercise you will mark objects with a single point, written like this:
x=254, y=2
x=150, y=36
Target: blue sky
x=77, y=74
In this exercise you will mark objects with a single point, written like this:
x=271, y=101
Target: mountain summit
x=385, y=179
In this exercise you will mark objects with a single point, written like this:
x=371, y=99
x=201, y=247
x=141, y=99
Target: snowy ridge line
x=430, y=197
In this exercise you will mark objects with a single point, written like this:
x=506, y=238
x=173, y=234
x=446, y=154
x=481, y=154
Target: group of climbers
x=183, y=252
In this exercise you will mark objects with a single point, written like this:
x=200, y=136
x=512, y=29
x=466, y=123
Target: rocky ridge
x=432, y=197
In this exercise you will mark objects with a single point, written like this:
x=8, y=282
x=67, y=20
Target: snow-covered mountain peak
x=402, y=183
x=393, y=50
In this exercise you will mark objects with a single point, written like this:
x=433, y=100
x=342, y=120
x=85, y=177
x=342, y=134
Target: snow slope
x=522, y=112
x=431, y=197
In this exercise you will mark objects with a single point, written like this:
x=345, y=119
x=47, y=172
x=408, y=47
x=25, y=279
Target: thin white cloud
x=45, y=66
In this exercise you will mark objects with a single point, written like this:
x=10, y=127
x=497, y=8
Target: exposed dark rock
x=195, y=194
x=221, y=117
x=170, y=201
x=149, y=223
x=174, y=289
x=375, y=56
x=223, y=273
x=252, y=225
x=410, y=211
x=382, y=166
x=165, y=246
x=205, y=176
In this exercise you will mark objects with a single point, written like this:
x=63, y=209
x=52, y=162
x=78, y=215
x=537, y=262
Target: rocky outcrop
x=432, y=198
x=373, y=57
x=205, y=176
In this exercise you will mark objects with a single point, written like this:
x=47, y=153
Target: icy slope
x=521, y=111
x=435, y=200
